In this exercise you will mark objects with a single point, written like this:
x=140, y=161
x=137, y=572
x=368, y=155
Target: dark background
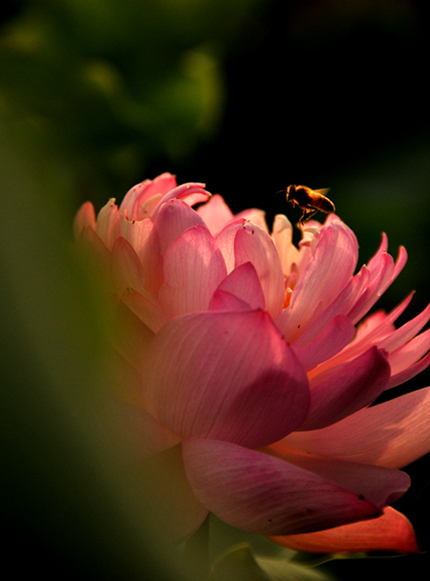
x=247, y=96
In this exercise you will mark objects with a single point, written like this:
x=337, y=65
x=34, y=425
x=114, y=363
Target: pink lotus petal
x=409, y=353
x=108, y=225
x=243, y=282
x=383, y=272
x=328, y=272
x=144, y=238
x=379, y=485
x=346, y=388
x=283, y=239
x=86, y=217
x=409, y=372
x=216, y=214
x=371, y=332
x=391, y=531
x=173, y=219
x=225, y=375
x=340, y=306
x=135, y=199
x=173, y=512
x=392, y=434
x=252, y=244
x=225, y=241
x=147, y=308
x=194, y=192
x=331, y=339
x=193, y=269
x=262, y=494
x=225, y=301
x=126, y=268
x=256, y=217
x=406, y=331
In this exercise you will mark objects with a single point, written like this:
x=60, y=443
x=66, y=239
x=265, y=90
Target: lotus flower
x=251, y=369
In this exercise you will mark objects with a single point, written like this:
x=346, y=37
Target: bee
x=310, y=201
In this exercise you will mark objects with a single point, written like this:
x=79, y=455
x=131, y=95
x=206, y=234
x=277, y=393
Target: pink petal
x=134, y=201
x=332, y=338
x=252, y=244
x=225, y=241
x=340, y=306
x=225, y=375
x=216, y=214
x=126, y=268
x=193, y=269
x=409, y=372
x=401, y=336
x=85, y=217
x=262, y=494
x=371, y=332
x=243, y=282
x=383, y=272
x=391, y=531
x=283, y=239
x=392, y=434
x=256, y=217
x=225, y=301
x=380, y=486
x=173, y=219
x=109, y=223
x=147, y=308
x=345, y=389
x=328, y=272
x=410, y=353
x=193, y=192
x=144, y=238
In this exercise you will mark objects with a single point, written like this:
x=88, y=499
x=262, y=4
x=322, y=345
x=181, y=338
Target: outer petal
x=109, y=223
x=147, y=308
x=225, y=375
x=193, y=269
x=262, y=494
x=328, y=272
x=144, y=238
x=391, y=531
x=378, y=485
x=392, y=434
x=126, y=268
x=345, y=389
x=85, y=217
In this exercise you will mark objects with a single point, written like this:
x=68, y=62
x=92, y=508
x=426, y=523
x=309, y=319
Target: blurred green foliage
x=108, y=86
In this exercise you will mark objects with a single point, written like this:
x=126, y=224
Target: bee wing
x=322, y=191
